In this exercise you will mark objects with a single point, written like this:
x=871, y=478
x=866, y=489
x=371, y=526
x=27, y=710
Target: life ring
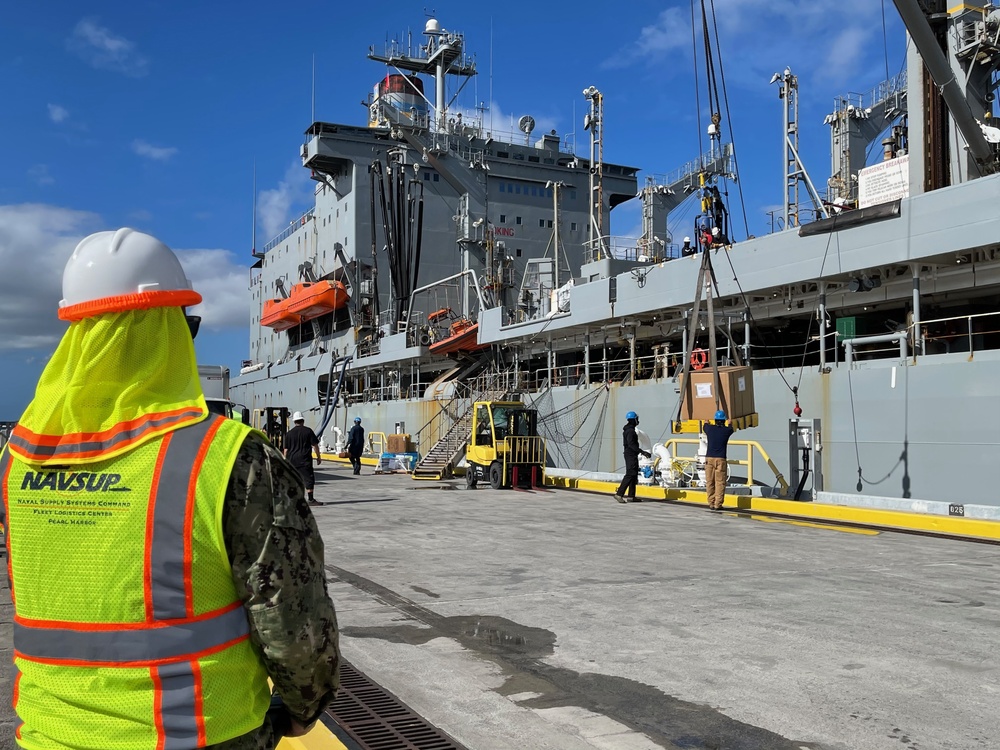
x=699, y=358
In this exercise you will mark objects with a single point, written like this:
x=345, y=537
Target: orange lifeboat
x=311, y=299
x=278, y=316
x=462, y=337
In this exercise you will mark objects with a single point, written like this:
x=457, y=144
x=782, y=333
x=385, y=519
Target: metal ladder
x=442, y=458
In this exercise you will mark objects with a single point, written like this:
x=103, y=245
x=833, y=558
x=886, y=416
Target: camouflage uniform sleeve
x=276, y=553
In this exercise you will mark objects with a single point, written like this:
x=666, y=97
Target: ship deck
x=561, y=619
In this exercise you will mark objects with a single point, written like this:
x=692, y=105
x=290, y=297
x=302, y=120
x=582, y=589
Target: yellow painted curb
x=334, y=458
x=887, y=519
x=318, y=738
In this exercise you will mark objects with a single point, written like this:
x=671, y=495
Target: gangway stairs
x=449, y=450
x=441, y=459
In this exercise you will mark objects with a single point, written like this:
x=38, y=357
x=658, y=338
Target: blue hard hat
x=357, y=420
x=720, y=415
x=631, y=415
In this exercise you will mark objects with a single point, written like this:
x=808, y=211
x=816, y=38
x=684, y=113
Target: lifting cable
x=729, y=124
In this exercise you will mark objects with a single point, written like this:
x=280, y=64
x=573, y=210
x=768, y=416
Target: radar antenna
x=526, y=124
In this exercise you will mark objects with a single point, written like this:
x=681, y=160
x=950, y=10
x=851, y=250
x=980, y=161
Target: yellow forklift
x=504, y=448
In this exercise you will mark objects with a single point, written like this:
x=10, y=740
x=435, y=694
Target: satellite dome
x=432, y=26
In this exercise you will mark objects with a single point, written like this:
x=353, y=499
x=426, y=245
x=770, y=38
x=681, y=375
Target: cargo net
x=573, y=432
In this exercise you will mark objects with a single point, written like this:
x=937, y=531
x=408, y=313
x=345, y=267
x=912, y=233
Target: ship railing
x=960, y=333
x=684, y=467
x=624, y=370
x=886, y=338
x=713, y=160
x=954, y=334
x=631, y=249
x=462, y=132
x=292, y=227
x=375, y=393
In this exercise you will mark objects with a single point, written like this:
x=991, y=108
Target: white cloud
x=149, y=151
x=35, y=242
x=275, y=206
x=58, y=113
x=222, y=282
x=670, y=32
x=39, y=174
x=103, y=49
x=757, y=37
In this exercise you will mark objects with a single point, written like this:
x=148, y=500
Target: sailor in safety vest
x=163, y=560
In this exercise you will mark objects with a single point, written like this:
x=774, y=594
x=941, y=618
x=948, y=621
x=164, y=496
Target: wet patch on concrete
x=425, y=592
x=520, y=652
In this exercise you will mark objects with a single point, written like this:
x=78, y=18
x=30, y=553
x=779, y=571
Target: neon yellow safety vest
x=128, y=630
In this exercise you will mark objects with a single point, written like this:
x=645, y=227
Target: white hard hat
x=122, y=270
x=687, y=239
x=297, y=417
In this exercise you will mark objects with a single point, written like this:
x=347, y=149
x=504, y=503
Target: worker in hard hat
x=356, y=444
x=630, y=446
x=163, y=562
x=299, y=442
x=687, y=249
x=718, y=435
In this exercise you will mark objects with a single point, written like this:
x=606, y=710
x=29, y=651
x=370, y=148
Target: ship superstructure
x=472, y=258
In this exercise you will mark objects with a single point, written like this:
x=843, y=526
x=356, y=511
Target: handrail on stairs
x=479, y=388
x=490, y=387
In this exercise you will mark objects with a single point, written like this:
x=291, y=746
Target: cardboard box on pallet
x=736, y=399
x=398, y=443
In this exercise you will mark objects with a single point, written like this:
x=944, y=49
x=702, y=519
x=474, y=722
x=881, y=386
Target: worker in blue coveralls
x=631, y=449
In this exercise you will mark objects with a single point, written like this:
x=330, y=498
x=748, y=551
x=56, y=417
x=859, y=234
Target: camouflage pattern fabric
x=277, y=561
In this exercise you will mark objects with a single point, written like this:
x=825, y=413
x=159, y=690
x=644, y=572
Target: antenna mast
x=253, y=217
x=594, y=122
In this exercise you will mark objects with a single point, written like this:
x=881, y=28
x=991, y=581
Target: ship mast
x=594, y=122
x=443, y=55
x=795, y=170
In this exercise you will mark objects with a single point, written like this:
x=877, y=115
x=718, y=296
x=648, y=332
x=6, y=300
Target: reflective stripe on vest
x=130, y=646
x=42, y=448
x=176, y=694
x=4, y=466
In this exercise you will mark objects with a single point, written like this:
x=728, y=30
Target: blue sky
x=152, y=115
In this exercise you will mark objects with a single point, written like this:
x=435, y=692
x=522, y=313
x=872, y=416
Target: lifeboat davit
x=278, y=316
x=314, y=298
x=462, y=337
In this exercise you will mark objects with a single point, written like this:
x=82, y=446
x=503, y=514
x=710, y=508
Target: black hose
x=332, y=403
x=805, y=475
x=374, y=168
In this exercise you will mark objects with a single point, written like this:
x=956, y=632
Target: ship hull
x=900, y=430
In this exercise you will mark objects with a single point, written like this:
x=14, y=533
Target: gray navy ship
x=445, y=261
